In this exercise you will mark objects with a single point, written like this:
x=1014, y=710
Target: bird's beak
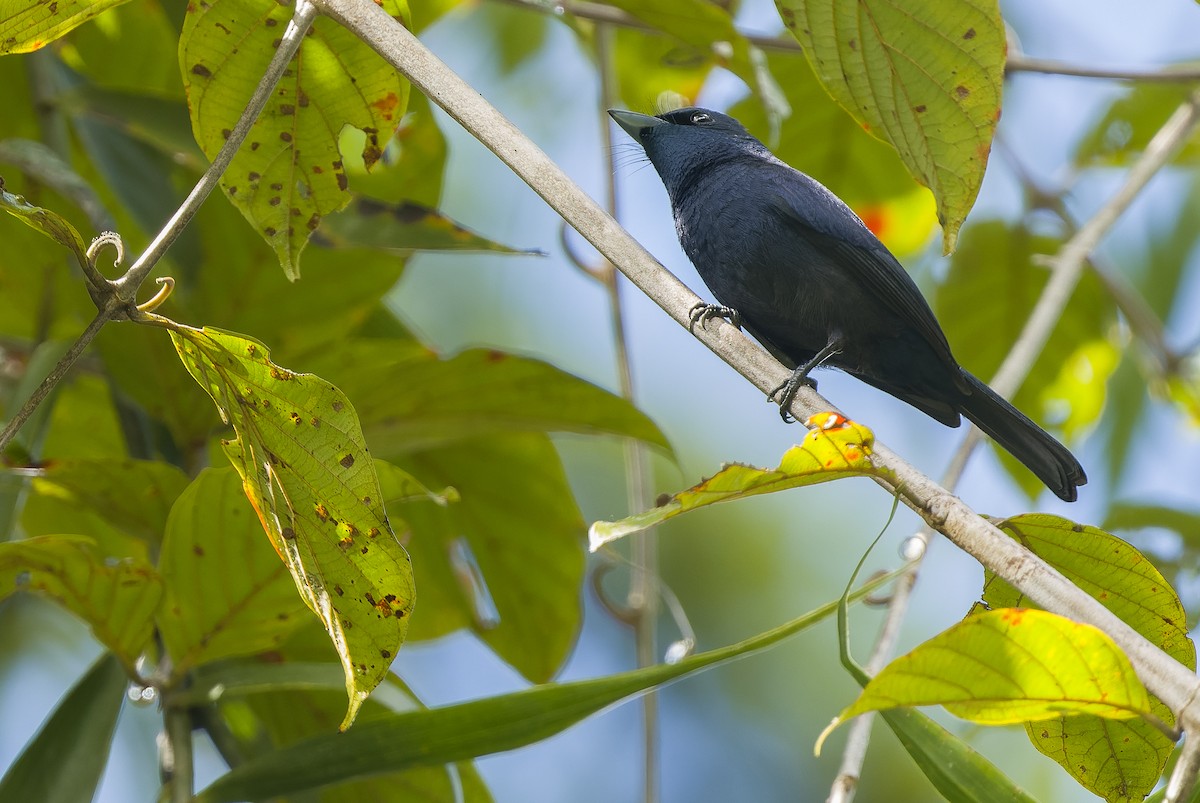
x=635, y=124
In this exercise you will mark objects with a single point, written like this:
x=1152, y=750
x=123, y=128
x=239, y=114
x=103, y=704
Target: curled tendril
x=166, y=285
x=576, y=259
x=108, y=238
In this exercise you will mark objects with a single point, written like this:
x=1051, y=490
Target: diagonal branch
x=1169, y=680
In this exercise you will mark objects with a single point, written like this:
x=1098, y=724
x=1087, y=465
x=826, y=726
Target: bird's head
x=685, y=140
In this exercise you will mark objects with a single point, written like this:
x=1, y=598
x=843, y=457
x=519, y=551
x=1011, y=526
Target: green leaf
x=1136, y=516
x=64, y=760
x=304, y=466
x=132, y=495
x=117, y=598
x=1007, y=666
x=823, y=141
x=467, y=730
x=1068, y=383
x=289, y=173
x=43, y=163
x=27, y=26
x=408, y=399
x=956, y=771
x=142, y=364
x=402, y=229
x=226, y=591
x=1126, y=126
x=927, y=79
x=507, y=559
x=705, y=28
x=1114, y=759
x=835, y=449
x=413, y=163
x=49, y=223
x=654, y=70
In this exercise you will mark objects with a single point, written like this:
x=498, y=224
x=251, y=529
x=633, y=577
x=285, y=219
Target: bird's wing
x=854, y=248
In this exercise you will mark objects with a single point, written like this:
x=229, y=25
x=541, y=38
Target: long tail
x=1042, y=454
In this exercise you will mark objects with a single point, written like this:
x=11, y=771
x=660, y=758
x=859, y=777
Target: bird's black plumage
x=805, y=274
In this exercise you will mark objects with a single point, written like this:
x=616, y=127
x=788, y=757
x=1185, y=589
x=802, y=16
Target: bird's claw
x=703, y=312
x=787, y=394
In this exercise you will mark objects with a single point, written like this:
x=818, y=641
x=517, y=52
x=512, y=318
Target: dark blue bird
x=815, y=286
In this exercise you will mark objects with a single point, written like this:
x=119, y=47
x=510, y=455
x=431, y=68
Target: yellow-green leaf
x=1115, y=759
x=835, y=448
x=117, y=598
x=925, y=77
x=227, y=593
x=133, y=495
x=49, y=223
x=27, y=25
x=403, y=228
x=304, y=465
x=1007, y=666
x=289, y=172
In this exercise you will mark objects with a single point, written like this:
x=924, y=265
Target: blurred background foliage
x=434, y=259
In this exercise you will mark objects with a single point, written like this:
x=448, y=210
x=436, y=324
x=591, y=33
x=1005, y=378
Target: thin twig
x=56, y=375
x=1166, y=678
x=642, y=598
x=1019, y=62
x=175, y=754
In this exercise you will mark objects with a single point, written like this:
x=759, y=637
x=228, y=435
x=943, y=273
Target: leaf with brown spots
x=227, y=593
x=326, y=521
x=1116, y=759
x=290, y=173
x=27, y=26
x=834, y=448
x=117, y=598
x=926, y=78
x=404, y=228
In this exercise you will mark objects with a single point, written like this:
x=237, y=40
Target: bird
x=791, y=263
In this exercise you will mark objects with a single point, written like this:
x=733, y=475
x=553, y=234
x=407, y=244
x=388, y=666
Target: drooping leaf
x=1007, y=666
x=76, y=735
x=403, y=228
x=834, y=449
x=467, y=730
x=305, y=467
x=1117, y=759
x=289, y=173
x=226, y=591
x=507, y=559
x=927, y=79
x=117, y=598
x=133, y=495
x=26, y=26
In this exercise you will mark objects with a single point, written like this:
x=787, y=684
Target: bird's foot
x=786, y=392
x=702, y=313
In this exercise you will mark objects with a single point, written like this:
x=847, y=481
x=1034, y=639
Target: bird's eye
x=700, y=118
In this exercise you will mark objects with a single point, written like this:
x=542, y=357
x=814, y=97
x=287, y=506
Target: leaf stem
x=175, y=754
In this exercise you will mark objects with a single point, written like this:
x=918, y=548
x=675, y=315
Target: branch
x=1015, y=62
x=1169, y=680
